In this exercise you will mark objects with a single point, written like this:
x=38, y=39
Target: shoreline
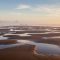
x=24, y=52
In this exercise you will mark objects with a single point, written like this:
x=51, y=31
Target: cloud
x=49, y=10
x=46, y=10
x=23, y=6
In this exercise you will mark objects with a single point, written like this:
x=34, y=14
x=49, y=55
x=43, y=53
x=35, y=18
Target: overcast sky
x=31, y=12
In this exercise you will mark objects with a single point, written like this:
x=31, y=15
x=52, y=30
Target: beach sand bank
x=23, y=52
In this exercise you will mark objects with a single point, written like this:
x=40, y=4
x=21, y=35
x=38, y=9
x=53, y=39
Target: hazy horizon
x=30, y=12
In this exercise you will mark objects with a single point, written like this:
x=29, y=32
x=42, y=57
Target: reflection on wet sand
x=18, y=43
x=41, y=48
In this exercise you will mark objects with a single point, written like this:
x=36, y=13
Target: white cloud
x=49, y=10
x=22, y=6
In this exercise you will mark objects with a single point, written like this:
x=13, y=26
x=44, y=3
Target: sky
x=30, y=12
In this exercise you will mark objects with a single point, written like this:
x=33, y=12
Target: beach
x=21, y=45
x=23, y=52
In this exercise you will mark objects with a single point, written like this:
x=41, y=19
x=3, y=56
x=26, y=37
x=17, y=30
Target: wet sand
x=27, y=52
x=23, y=52
x=36, y=37
x=8, y=41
